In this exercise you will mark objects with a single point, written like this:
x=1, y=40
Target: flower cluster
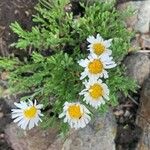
x=96, y=92
x=95, y=68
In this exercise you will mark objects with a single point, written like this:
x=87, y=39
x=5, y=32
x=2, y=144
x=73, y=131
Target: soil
x=11, y=11
x=128, y=132
x=4, y=120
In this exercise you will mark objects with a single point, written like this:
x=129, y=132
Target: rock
x=143, y=23
x=145, y=41
x=35, y=139
x=134, y=6
x=138, y=67
x=99, y=134
x=140, y=19
x=143, y=119
x=100, y=131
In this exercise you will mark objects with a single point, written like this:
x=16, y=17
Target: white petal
x=108, y=43
x=93, y=56
x=99, y=38
x=109, y=52
x=37, y=119
x=35, y=102
x=16, y=110
x=16, y=115
x=83, y=62
x=83, y=75
x=85, y=109
x=105, y=57
x=82, y=123
x=106, y=97
x=24, y=124
x=82, y=92
x=21, y=105
x=105, y=74
x=18, y=119
x=91, y=39
x=39, y=106
x=65, y=119
x=30, y=103
x=40, y=114
x=31, y=124
x=86, y=120
x=99, y=81
x=61, y=115
x=87, y=116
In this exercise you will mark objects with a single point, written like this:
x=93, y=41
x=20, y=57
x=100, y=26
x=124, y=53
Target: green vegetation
x=53, y=79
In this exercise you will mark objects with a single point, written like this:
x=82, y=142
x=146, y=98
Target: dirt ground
x=4, y=120
x=10, y=11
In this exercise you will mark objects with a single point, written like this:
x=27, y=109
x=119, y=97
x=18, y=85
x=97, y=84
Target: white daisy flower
x=95, y=92
x=27, y=115
x=98, y=45
x=76, y=114
x=95, y=66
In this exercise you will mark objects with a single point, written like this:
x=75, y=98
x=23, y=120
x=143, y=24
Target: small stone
x=16, y=12
x=27, y=13
x=4, y=75
x=135, y=43
x=145, y=42
x=1, y=114
x=127, y=113
x=118, y=112
x=138, y=67
x=2, y=135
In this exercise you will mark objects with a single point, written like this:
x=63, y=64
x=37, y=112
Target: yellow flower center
x=95, y=66
x=75, y=112
x=98, y=48
x=96, y=91
x=30, y=112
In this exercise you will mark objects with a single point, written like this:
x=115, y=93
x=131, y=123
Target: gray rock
x=140, y=19
x=143, y=23
x=98, y=135
x=35, y=139
x=134, y=6
x=143, y=119
x=138, y=67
